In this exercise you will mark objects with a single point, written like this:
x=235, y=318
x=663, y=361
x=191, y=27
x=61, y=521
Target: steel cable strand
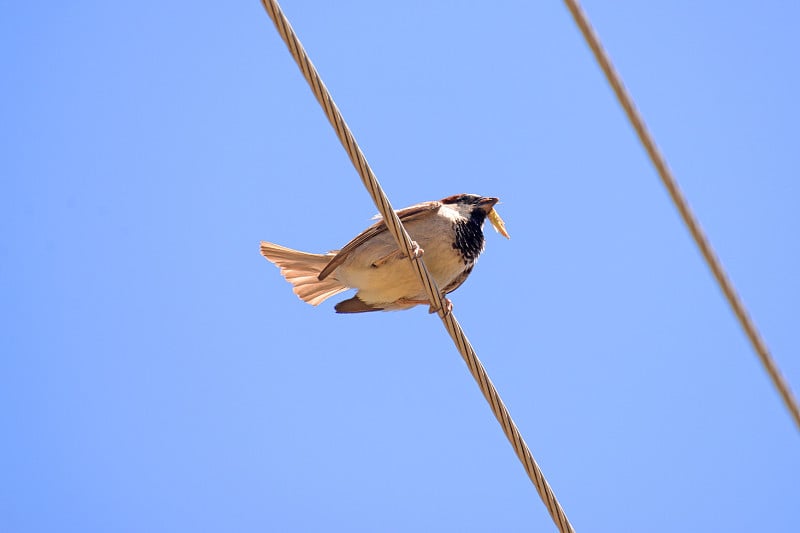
x=397, y=230
x=669, y=181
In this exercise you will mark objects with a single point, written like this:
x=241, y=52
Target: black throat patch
x=469, y=236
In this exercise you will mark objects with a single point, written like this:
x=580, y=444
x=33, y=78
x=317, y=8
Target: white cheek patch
x=452, y=213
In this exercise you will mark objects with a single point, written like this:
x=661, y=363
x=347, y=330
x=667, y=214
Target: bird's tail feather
x=302, y=269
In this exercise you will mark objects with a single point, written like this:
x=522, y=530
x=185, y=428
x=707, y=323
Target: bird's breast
x=394, y=279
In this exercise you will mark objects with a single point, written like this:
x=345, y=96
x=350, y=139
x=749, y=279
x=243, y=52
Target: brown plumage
x=302, y=270
x=448, y=231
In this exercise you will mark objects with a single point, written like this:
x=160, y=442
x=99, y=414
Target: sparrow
x=449, y=232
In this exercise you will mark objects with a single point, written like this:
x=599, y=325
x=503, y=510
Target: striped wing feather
x=406, y=215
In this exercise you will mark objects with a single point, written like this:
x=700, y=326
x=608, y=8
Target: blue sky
x=159, y=375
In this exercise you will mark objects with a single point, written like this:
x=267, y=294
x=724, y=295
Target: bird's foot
x=447, y=305
x=416, y=253
x=416, y=250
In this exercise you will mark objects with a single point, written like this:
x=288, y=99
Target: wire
x=683, y=207
x=397, y=230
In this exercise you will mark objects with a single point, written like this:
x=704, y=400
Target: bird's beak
x=487, y=203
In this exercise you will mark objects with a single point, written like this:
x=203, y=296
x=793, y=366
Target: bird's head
x=471, y=205
x=477, y=208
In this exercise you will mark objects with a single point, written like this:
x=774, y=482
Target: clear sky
x=157, y=374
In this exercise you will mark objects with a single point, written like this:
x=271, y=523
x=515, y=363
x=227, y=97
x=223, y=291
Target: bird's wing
x=355, y=305
x=406, y=215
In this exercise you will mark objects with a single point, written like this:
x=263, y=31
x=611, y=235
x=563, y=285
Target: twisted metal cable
x=683, y=207
x=397, y=230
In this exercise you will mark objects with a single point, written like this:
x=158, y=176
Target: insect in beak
x=497, y=223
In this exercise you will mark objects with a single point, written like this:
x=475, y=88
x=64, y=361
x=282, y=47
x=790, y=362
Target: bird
x=449, y=233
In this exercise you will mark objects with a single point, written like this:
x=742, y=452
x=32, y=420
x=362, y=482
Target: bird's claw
x=447, y=305
x=416, y=250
